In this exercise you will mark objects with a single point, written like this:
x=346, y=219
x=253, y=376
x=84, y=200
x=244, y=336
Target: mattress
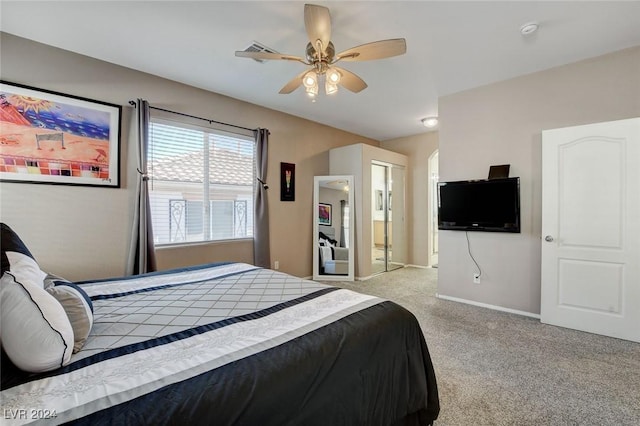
x=233, y=344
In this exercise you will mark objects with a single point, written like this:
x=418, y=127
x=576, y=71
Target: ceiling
x=451, y=46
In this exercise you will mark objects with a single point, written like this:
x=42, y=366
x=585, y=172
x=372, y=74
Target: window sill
x=202, y=243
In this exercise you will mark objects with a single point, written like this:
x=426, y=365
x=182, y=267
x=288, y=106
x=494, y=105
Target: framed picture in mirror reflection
x=324, y=214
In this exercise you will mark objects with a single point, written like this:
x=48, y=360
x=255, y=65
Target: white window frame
x=167, y=119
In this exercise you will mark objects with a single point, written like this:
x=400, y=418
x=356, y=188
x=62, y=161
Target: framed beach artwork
x=324, y=214
x=49, y=137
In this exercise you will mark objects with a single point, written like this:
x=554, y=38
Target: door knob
x=548, y=238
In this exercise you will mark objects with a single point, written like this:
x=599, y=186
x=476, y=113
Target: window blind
x=201, y=183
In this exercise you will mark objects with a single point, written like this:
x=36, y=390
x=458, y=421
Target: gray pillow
x=78, y=307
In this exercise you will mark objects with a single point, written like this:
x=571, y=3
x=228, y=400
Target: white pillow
x=25, y=268
x=36, y=333
x=78, y=307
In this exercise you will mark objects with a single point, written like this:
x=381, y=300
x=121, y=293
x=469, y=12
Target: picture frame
x=324, y=214
x=287, y=182
x=378, y=200
x=54, y=138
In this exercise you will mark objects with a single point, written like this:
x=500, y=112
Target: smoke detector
x=529, y=28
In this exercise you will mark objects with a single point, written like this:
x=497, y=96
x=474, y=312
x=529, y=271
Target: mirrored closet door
x=388, y=251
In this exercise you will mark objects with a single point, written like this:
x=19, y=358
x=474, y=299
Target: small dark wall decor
x=287, y=182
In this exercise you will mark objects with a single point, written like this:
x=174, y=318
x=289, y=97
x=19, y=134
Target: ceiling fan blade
x=350, y=81
x=376, y=50
x=293, y=84
x=268, y=56
x=317, y=21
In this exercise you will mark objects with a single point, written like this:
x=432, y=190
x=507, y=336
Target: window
x=201, y=183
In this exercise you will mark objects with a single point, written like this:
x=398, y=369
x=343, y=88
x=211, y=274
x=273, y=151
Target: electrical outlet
x=276, y=265
x=476, y=278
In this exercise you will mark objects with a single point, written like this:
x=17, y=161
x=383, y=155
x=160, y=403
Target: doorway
x=433, y=208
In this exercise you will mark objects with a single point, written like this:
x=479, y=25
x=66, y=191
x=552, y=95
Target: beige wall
x=502, y=124
x=83, y=233
x=418, y=149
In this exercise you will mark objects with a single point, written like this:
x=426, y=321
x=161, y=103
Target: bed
x=231, y=343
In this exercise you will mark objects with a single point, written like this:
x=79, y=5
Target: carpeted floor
x=495, y=368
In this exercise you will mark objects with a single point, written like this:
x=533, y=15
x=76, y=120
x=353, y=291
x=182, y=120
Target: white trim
x=418, y=266
x=365, y=278
x=169, y=246
x=486, y=305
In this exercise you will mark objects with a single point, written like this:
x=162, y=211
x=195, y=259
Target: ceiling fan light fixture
x=333, y=76
x=312, y=91
x=330, y=88
x=321, y=55
x=430, y=122
x=310, y=80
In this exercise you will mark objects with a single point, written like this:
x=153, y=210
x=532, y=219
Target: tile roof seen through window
x=226, y=168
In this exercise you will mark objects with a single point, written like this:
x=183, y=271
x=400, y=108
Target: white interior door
x=591, y=228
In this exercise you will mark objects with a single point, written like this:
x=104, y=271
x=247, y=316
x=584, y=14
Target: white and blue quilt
x=233, y=344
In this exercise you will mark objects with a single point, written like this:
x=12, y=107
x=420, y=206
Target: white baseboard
x=364, y=278
x=486, y=305
x=417, y=266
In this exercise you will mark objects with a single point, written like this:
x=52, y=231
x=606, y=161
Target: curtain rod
x=197, y=118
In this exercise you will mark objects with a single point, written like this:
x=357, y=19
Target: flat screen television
x=491, y=205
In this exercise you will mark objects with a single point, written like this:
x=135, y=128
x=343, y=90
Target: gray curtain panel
x=142, y=256
x=261, y=250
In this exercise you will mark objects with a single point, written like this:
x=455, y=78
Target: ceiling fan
x=321, y=56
